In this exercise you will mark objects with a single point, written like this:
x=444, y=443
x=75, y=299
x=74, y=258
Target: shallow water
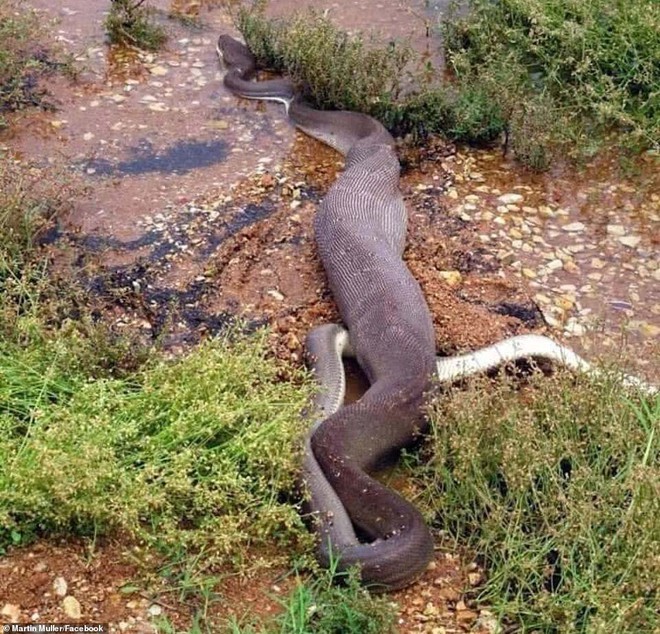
x=151, y=135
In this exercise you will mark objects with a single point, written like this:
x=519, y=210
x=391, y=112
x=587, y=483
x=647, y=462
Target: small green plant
x=130, y=23
x=324, y=606
x=557, y=489
x=22, y=59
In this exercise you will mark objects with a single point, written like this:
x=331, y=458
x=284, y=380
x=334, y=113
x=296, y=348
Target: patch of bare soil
x=49, y=582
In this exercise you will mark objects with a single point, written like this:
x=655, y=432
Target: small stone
x=510, y=198
x=12, y=612
x=542, y=299
x=616, y=230
x=155, y=610
x=88, y=136
x=276, y=295
x=453, y=278
x=159, y=71
x=573, y=227
x=71, y=607
x=630, y=241
x=60, y=586
x=529, y=273
x=554, y=265
x=158, y=107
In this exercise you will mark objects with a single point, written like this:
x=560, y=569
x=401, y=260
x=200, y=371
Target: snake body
x=360, y=232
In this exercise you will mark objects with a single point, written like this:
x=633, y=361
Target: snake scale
x=360, y=231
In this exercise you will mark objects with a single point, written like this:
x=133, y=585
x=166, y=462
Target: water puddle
x=178, y=172
x=182, y=157
x=585, y=242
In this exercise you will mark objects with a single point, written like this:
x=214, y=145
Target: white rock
x=510, y=198
x=71, y=607
x=630, y=241
x=158, y=70
x=616, y=230
x=155, y=610
x=574, y=226
x=60, y=586
x=12, y=612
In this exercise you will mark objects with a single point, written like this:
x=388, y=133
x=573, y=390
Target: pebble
x=573, y=227
x=155, y=610
x=616, y=230
x=453, y=278
x=510, y=198
x=159, y=71
x=60, y=586
x=71, y=607
x=630, y=241
x=11, y=611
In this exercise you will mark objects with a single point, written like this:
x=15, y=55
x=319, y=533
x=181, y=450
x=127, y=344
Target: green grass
x=320, y=606
x=184, y=455
x=131, y=23
x=557, y=489
x=549, y=76
x=572, y=71
x=22, y=57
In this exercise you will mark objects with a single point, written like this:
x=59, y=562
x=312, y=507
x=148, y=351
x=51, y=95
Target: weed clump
x=580, y=69
x=186, y=456
x=130, y=23
x=21, y=59
x=547, y=77
x=332, y=69
x=558, y=490
x=322, y=606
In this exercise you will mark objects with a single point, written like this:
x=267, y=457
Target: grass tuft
x=130, y=23
x=22, y=58
x=546, y=75
x=187, y=455
x=558, y=490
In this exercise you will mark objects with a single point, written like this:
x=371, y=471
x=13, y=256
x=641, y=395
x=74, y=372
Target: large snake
x=360, y=231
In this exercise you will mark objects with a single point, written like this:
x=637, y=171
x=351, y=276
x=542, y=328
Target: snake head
x=234, y=54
